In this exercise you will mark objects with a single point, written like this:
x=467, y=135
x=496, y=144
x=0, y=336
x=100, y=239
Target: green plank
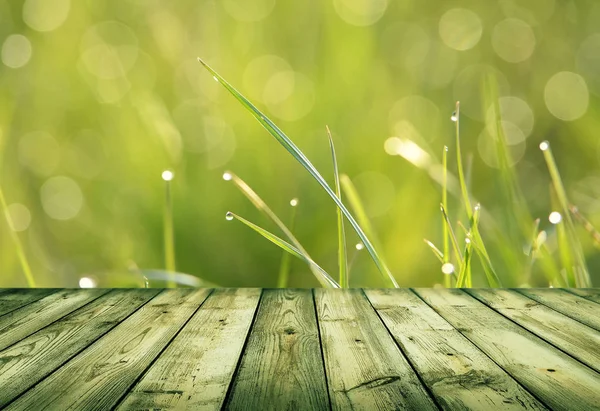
x=567, y=303
x=557, y=379
x=282, y=367
x=458, y=374
x=33, y=358
x=99, y=376
x=573, y=337
x=365, y=369
x=196, y=369
x=10, y=300
x=20, y=323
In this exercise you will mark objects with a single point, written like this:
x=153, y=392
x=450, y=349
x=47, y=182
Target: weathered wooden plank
x=10, y=300
x=282, y=366
x=557, y=379
x=99, y=376
x=573, y=337
x=458, y=374
x=195, y=371
x=578, y=308
x=365, y=369
x=592, y=294
x=20, y=323
x=33, y=358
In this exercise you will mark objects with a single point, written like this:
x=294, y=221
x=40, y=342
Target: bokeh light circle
x=486, y=145
x=19, y=215
x=289, y=95
x=566, y=96
x=45, y=15
x=514, y=112
x=61, y=197
x=460, y=29
x=259, y=71
x=16, y=51
x=360, y=12
x=513, y=40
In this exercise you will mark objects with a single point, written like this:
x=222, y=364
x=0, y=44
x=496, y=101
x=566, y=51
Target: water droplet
x=294, y=202
x=544, y=145
x=360, y=246
x=86, y=282
x=227, y=176
x=555, y=217
x=446, y=149
x=229, y=216
x=477, y=207
x=468, y=240
x=448, y=268
x=454, y=116
x=167, y=175
x=216, y=79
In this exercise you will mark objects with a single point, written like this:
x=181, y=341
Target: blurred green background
x=98, y=98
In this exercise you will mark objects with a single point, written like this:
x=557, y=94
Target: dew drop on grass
x=229, y=216
x=360, y=246
x=216, y=79
x=448, y=268
x=167, y=175
x=544, y=145
x=467, y=240
x=86, y=282
x=294, y=202
x=227, y=176
x=555, y=217
x=454, y=116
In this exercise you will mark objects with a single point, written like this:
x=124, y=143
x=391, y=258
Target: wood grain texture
x=592, y=294
x=10, y=300
x=20, y=323
x=99, y=376
x=365, y=369
x=195, y=371
x=573, y=337
x=573, y=306
x=33, y=358
x=458, y=374
x=282, y=366
x=557, y=379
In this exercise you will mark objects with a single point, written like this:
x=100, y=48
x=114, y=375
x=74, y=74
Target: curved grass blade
x=303, y=160
x=464, y=275
x=168, y=234
x=284, y=246
x=440, y=256
x=286, y=262
x=15, y=238
x=342, y=253
x=587, y=225
x=258, y=202
x=479, y=247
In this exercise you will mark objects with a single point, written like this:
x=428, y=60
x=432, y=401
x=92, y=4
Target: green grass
x=457, y=264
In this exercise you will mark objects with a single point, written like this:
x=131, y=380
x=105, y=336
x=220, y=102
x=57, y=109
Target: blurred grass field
x=97, y=99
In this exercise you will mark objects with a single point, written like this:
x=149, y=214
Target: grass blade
x=578, y=270
x=446, y=254
x=587, y=225
x=322, y=276
x=454, y=241
x=461, y=173
x=15, y=238
x=285, y=246
x=440, y=256
x=303, y=160
x=286, y=262
x=342, y=253
x=479, y=247
x=169, y=237
x=464, y=275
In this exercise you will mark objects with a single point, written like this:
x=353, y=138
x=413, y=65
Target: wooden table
x=299, y=349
